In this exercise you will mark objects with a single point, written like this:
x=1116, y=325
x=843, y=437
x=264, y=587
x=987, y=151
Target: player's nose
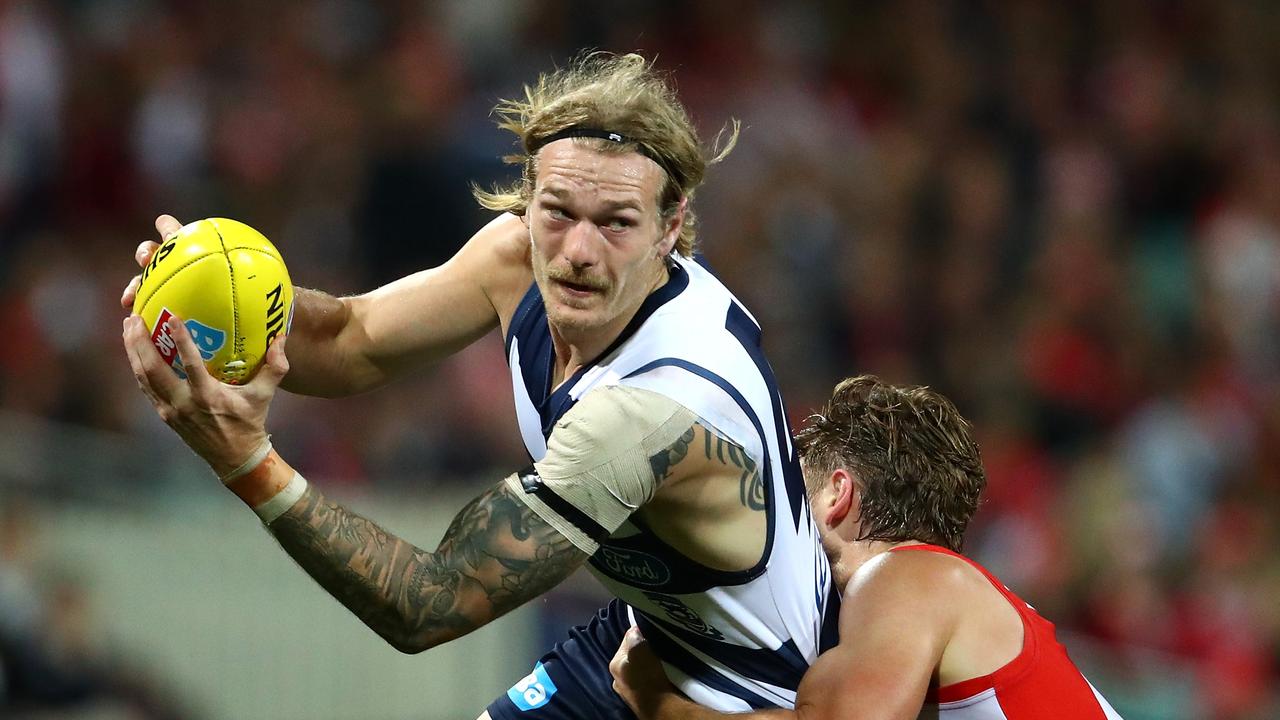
x=582, y=244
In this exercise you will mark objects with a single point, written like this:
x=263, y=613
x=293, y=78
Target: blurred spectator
x=1064, y=215
x=50, y=662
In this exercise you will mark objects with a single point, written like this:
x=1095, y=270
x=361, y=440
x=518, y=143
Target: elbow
x=412, y=643
x=409, y=648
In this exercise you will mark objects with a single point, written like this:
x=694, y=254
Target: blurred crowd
x=1065, y=216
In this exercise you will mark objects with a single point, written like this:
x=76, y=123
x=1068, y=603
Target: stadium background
x=1066, y=216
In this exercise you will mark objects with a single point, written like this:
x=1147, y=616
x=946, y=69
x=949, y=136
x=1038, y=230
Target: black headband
x=616, y=137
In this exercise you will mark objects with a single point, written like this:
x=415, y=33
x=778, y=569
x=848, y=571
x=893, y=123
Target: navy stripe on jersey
x=533, y=485
x=741, y=326
x=829, y=632
x=711, y=577
x=537, y=354
x=705, y=265
x=671, y=652
x=829, y=636
x=782, y=667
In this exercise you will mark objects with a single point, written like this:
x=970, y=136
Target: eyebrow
x=562, y=194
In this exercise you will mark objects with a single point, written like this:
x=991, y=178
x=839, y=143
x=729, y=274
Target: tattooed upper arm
x=667, y=458
x=496, y=555
x=718, y=456
x=750, y=484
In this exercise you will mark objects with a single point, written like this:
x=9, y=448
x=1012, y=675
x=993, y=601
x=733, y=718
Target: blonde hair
x=619, y=94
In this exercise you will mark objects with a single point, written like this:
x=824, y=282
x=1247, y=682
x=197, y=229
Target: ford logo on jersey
x=631, y=566
x=533, y=691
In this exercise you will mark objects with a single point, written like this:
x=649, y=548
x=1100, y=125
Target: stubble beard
x=564, y=316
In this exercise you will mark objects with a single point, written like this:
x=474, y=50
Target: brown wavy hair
x=910, y=451
x=615, y=93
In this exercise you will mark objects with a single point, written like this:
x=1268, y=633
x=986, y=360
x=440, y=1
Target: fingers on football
x=199, y=377
x=130, y=292
x=167, y=225
x=142, y=254
x=276, y=365
x=154, y=377
x=145, y=250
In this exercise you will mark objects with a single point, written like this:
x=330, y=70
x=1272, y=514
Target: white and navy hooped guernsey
x=733, y=641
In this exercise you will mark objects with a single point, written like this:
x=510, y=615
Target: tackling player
x=661, y=455
x=893, y=477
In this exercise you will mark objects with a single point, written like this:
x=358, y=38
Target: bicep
x=434, y=313
x=420, y=318
x=865, y=680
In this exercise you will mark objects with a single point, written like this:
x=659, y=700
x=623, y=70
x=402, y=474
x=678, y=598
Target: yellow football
x=231, y=288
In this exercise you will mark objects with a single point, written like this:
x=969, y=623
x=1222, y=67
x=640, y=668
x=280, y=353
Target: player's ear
x=671, y=228
x=843, y=496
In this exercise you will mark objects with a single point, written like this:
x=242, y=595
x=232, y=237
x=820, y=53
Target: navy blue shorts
x=572, y=682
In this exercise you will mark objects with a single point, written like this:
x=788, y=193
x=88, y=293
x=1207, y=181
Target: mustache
x=566, y=275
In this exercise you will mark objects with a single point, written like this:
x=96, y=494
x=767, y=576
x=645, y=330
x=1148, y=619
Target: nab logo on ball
x=275, y=313
x=209, y=341
x=534, y=691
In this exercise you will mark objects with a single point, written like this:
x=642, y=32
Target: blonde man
x=894, y=476
x=661, y=454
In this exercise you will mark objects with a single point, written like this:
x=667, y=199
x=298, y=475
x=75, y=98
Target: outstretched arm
x=343, y=346
x=495, y=556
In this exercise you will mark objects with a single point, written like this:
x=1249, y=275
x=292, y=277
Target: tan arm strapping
x=597, y=459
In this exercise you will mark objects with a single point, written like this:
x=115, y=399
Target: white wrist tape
x=257, y=456
x=283, y=500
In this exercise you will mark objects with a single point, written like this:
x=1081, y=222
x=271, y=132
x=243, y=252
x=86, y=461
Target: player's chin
x=578, y=316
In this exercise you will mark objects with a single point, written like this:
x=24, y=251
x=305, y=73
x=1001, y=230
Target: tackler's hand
x=223, y=424
x=166, y=225
x=638, y=677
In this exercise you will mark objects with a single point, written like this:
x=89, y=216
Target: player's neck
x=858, y=553
x=575, y=348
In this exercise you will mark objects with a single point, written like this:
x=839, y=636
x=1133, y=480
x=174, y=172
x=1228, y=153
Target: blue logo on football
x=208, y=339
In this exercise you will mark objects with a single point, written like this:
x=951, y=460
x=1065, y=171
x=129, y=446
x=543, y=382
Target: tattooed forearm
x=495, y=556
x=750, y=485
x=665, y=459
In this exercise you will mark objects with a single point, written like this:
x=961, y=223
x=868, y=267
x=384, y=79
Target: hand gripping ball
x=231, y=288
